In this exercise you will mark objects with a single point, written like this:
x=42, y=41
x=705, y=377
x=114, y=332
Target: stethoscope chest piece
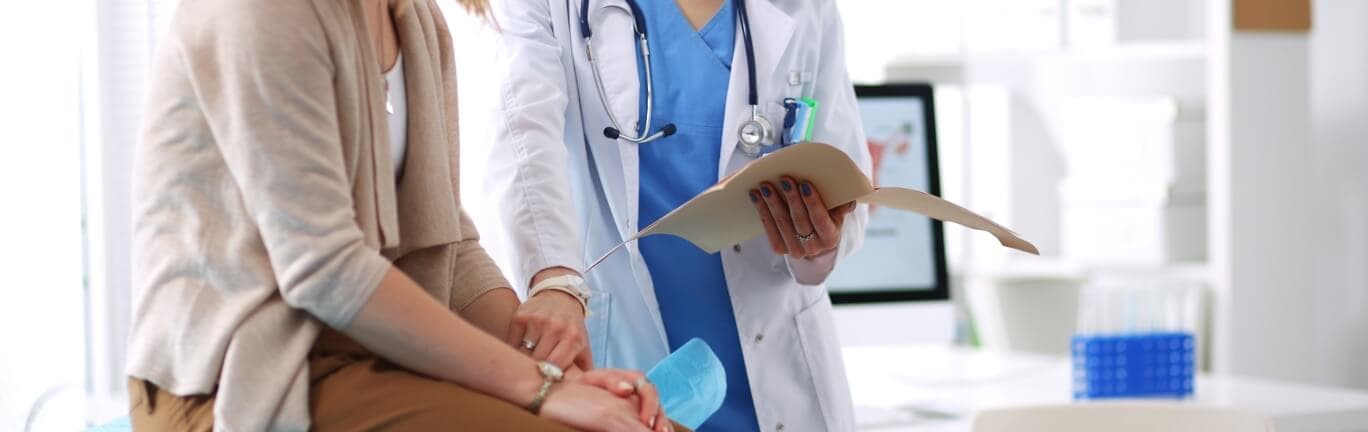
x=755, y=133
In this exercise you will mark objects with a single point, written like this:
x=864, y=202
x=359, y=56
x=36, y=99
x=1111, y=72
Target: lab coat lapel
x=771, y=29
x=615, y=54
x=614, y=51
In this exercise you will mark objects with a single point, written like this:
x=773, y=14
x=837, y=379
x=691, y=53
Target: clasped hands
x=550, y=326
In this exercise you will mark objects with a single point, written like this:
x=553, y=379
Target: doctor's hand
x=796, y=218
x=552, y=324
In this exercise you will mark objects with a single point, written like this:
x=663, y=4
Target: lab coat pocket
x=822, y=351
x=598, y=323
x=774, y=114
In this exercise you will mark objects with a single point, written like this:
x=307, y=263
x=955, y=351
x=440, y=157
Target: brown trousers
x=351, y=390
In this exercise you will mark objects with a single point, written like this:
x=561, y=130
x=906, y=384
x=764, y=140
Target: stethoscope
x=754, y=134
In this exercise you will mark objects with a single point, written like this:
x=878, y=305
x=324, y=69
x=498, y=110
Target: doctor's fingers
x=780, y=212
x=636, y=387
x=532, y=337
x=549, y=336
x=516, y=330
x=585, y=359
x=566, y=351
x=767, y=219
x=802, y=223
x=828, y=230
x=838, y=214
x=616, y=381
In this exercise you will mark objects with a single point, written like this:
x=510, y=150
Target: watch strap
x=540, y=398
x=584, y=304
x=569, y=284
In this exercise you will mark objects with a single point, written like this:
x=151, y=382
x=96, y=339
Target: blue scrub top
x=691, y=70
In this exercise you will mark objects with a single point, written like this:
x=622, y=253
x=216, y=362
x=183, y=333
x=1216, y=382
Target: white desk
x=939, y=388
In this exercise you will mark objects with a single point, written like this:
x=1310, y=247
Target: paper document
x=723, y=215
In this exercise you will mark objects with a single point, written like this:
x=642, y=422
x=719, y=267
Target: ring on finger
x=528, y=345
x=804, y=238
x=640, y=382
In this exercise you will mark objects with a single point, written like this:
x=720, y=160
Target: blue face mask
x=691, y=382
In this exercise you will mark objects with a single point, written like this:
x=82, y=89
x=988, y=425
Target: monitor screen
x=903, y=257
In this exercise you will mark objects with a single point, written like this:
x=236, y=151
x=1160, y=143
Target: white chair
x=1120, y=417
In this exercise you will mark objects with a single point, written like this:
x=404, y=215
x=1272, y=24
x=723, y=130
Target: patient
x=300, y=246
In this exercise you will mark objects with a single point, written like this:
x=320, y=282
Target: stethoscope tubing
x=616, y=131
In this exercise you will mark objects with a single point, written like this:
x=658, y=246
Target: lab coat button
x=736, y=248
x=759, y=337
x=779, y=427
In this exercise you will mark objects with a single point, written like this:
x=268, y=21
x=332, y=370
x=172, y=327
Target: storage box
x=1131, y=223
x=1158, y=365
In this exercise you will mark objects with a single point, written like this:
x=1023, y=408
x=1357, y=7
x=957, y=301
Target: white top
x=397, y=104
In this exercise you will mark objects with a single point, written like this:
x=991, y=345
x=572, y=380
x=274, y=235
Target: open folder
x=723, y=215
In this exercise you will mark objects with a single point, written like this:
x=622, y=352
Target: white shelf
x=1056, y=268
x=1123, y=52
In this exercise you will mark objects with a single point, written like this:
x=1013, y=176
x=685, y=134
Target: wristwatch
x=550, y=376
x=569, y=284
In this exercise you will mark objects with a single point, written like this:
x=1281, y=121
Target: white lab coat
x=568, y=194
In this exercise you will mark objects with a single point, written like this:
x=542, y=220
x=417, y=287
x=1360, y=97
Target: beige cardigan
x=265, y=203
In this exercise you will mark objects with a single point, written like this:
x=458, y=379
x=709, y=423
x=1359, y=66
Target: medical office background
x=1129, y=139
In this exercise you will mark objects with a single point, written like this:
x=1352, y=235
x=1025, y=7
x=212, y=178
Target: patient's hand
x=796, y=218
x=553, y=321
x=632, y=387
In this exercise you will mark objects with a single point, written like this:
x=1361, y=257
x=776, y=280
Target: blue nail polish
x=753, y=197
x=765, y=190
x=785, y=184
x=807, y=190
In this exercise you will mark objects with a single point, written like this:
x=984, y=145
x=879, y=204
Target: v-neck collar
x=716, y=34
x=724, y=9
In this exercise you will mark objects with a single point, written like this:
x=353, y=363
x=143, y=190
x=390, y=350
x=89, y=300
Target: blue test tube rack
x=1136, y=365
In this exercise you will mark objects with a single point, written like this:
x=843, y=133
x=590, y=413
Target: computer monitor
x=903, y=257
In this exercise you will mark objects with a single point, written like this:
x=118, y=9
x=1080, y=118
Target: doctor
x=615, y=112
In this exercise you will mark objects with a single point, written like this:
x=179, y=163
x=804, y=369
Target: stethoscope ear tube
x=638, y=16
x=587, y=31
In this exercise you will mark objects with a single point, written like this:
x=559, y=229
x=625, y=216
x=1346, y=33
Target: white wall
x=41, y=327
x=1289, y=200
x=1338, y=158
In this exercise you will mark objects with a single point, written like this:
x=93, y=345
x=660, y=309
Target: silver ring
x=640, y=382
x=803, y=238
x=528, y=345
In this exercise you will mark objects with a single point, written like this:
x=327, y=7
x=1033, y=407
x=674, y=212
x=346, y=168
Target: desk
x=940, y=388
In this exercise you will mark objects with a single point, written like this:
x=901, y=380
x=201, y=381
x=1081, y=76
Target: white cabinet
x=1012, y=26
x=1134, y=188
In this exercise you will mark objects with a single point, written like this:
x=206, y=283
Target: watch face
x=551, y=371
